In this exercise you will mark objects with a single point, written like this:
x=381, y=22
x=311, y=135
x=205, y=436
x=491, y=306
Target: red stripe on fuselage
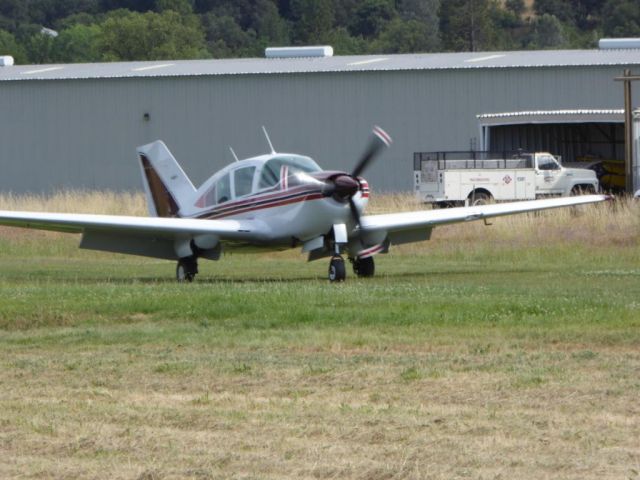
x=275, y=202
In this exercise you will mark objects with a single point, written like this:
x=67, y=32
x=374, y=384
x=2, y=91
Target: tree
x=621, y=18
x=9, y=46
x=79, y=43
x=465, y=25
x=225, y=38
x=152, y=36
x=12, y=13
x=548, y=32
x=183, y=7
x=268, y=24
x=344, y=44
x=48, y=12
x=313, y=20
x=516, y=6
x=406, y=36
x=371, y=17
x=133, y=5
x=39, y=48
x=421, y=10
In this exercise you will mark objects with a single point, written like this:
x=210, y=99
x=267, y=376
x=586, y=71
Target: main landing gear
x=187, y=269
x=362, y=267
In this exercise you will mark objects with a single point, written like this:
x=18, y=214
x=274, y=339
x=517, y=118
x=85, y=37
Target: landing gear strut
x=337, y=271
x=364, y=267
x=186, y=269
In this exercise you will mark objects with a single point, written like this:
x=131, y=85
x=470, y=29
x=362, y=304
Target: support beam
x=627, y=78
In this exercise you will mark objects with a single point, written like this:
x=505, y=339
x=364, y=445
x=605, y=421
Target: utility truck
x=450, y=179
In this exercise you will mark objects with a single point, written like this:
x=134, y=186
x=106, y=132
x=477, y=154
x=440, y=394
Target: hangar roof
x=553, y=116
x=366, y=63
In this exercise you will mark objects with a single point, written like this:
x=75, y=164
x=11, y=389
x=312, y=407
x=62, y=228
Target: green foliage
x=152, y=36
x=9, y=46
x=225, y=38
x=163, y=29
x=313, y=20
x=406, y=36
x=548, y=32
x=621, y=18
x=466, y=25
x=79, y=43
x=371, y=17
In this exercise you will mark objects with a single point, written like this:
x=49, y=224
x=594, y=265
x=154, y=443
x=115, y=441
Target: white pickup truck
x=471, y=178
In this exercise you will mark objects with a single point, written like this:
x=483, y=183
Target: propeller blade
x=380, y=140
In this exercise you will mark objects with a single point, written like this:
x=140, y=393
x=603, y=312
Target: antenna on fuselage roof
x=235, y=157
x=273, y=150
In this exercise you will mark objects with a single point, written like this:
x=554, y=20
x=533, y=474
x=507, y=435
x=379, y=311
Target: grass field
x=509, y=351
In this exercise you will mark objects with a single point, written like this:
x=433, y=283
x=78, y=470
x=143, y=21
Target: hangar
x=77, y=125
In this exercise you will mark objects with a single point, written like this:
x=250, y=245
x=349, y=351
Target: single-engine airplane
x=274, y=201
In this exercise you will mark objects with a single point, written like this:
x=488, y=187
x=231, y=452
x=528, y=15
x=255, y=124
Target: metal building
x=78, y=125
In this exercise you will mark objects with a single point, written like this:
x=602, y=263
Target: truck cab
x=554, y=179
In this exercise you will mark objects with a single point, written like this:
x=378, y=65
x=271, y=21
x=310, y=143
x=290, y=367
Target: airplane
x=274, y=201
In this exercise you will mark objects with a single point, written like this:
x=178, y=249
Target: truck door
x=548, y=175
x=427, y=175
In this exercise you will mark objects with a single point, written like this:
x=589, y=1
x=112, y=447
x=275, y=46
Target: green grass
x=458, y=360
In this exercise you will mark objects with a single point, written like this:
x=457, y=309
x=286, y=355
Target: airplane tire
x=186, y=270
x=364, y=267
x=337, y=271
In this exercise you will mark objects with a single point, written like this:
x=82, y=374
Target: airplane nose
x=345, y=186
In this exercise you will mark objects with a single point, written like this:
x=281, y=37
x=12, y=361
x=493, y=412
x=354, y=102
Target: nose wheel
x=337, y=272
x=186, y=269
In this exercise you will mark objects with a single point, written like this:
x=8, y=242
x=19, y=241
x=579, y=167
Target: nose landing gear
x=337, y=272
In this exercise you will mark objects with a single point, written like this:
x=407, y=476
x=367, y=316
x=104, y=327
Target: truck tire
x=480, y=198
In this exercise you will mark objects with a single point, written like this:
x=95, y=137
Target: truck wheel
x=479, y=198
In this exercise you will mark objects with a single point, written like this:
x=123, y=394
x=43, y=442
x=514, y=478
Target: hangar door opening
x=589, y=138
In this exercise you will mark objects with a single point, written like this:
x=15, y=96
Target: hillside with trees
x=67, y=31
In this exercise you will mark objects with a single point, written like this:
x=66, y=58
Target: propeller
x=380, y=140
x=344, y=186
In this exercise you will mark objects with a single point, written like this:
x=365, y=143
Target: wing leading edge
x=148, y=236
x=428, y=219
x=78, y=223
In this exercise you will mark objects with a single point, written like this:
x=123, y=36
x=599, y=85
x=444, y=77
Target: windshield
x=271, y=169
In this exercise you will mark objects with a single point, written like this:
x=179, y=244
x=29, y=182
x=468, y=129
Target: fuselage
x=286, y=192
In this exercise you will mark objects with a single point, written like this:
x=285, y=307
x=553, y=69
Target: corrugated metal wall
x=83, y=133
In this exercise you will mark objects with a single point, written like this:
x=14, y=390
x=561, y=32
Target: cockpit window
x=223, y=189
x=271, y=169
x=243, y=181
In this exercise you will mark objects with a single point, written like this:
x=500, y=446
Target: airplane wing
x=406, y=227
x=149, y=236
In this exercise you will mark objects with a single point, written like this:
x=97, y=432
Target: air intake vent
x=298, y=52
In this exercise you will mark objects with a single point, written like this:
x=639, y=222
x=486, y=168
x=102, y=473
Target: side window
x=223, y=189
x=546, y=162
x=243, y=181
